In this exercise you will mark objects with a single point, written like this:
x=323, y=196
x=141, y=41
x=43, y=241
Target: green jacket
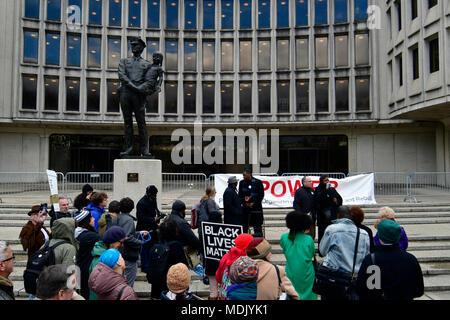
x=63, y=230
x=96, y=252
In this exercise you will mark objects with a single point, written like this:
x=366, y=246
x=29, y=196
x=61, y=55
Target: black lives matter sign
x=218, y=239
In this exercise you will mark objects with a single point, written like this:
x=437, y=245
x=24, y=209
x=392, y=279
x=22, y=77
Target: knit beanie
x=243, y=270
x=113, y=234
x=242, y=241
x=259, y=248
x=178, y=278
x=389, y=231
x=110, y=257
x=83, y=214
x=86, y=188
x=178, y=206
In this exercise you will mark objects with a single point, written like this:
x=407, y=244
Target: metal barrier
x=334, y=175
x=100, y=181
x=389, y=184
x=188, y=186
x=429, y=184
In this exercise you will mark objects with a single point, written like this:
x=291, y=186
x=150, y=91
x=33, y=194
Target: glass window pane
x=72, y=94
x=208, y=97
x=264, y=96
x=226, y=91
x=245, y=14
x=227, y=55
x=134, y=13
x=283, y=96
x=54, y=10
x=190, y=14
x=264, y=13
x=362, y=86
x=51, y=85
x=322, y=96
x=360, y=10
x=341, y=50
x=171, y=94
x=227, y=14
x=283, y=54
x=340, y=11
x=115, y=13
x=321, y=52
x=434, y=55
x=342, y=95
x=30, y=46
x=153, y=13
x=52, y=49
x=171, y=55
x=362, y=49
x=152, y=47
x=172, y=14
x=113, y=104
x=93, y=95
x=190, y=55
x=95, y=12
x=76, y=6
x=32, y=9
x=245, y=97
x=245, y=55
x=152, y=104
x=94, y=52
x=321, y=9
x=302, y=53
x=302, y=92
x=282, y=13
x=301, y=12
x=189, y=92
x=113, y=52
x=74, y=50
x=208, y=56
x=29, y=91
x=264, y=55
x=209, y=14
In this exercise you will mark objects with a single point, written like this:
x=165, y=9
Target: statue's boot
x=129, y=147
x=144, y=144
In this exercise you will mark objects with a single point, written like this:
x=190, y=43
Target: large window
x=264, y=13
x=245, y=14
x=302, y=53
x=362, y=87
x=226, y=94
x=415, y=62
x=399, y=63
x=342, y=95
x=190, y=55
x=153, y=14
x=54, y=10
x=190, y=12
x=189, y=91
x=302, y=92
x=322, y=96
x=32, y=9
x=73, y=50
x=115, y=13
x=434, y=54
x=321, y=8
x=30, y=46
x=29, y=91
x=171, y=91
x=172, y=14
x=93, y=95
x=171, y=55
x=113, y=104
x=227, y=14
x=398, y=8
x=282, y=13
x=301, y=12
x=432, y=3
x=245, y=55
x=52, y=45
x=362, y=49
x=208, y=97
x=340, y=11
x=209, y=55
x=227, y=55
x=72, y=94
x=414, y=9
x=360, y=10
x=51, y=93
x=264, y=55
x=245, y=97
x=341, y=50
x=152, y=47
x=113, y=52
x=321, y=52
x=282, y=54
x=94, y=52
x=264, y=96
x=95, y=12
x=283, y=96
x=134, y=14
x=209, y=14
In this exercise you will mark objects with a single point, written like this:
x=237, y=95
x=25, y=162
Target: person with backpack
x=33, y=235
x=99, y=201
x=107, y=279
x=185, y=234
x=106, y=219
x=178, y=281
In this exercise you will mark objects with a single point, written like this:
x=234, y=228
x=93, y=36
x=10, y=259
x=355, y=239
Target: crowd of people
x=108, y=245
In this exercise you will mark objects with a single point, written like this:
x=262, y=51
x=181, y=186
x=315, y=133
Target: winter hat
x=178, y=206
x=389, y=231
x=113, y=234
x=232, y=180
x=34, y=209
x=110, y=257
x=242, y=240
x=151, y=190
x=86, y=188
x=83, y=214
x=178, y=278
x=244, y=269
x=259, y=248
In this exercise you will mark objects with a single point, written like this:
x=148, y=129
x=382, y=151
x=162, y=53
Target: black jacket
x=186, y=236
x=304, y=201
x=255, y=190
x=6, y=292
x=146, y=211
x=401, y=275
x=55, y=215
x=324, y=201
x=232, y=207
x=131, y=246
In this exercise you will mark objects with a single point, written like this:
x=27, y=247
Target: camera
x=44, y=208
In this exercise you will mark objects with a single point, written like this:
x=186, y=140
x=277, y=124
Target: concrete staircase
x=426, y=224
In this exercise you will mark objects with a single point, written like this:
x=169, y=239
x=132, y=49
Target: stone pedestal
x=132, y=176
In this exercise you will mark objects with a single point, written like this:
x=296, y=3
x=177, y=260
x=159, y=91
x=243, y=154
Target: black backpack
x=203, y=214
x=42, y=258
x=158, y=262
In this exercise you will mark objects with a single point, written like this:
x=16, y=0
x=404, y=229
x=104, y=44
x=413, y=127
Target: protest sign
x=218, y=238
x=53, y=183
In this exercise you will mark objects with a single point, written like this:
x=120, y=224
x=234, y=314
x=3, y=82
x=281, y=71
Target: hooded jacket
x=132, y=246
x=146, y=211
x=32, y=237
x=64, y=230
x=107, y=284
x=186, y=236
x=96, y=212
x=269, y=287
x=96, y=252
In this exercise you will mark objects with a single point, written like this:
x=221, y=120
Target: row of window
x=208, y=47
x=302, y=7
x=264, y=91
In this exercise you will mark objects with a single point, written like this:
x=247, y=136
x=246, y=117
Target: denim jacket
x=338, y=245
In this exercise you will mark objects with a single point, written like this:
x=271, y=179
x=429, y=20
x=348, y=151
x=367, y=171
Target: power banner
x=279, y=191
x=218, y=239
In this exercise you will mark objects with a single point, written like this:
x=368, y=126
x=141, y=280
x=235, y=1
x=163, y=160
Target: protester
x=7, y=259
x=251, y=194
x=358, y=218
x=83, y=199
x=304, y=202
x=87, y=237
x=327, y=201
x=99, y=200
x=106, y=219
x=64, y=231
x=147, y=212
x=186, y=236
x=401, y=275
x=113, y=238
x=243, y=276
x=107, y=279
x=178, y=281
x=232, y=205
x=57, y=282
x=34, y=235
x=299, y=250
x=387, y=213
x=63, y=210
x=272, y=280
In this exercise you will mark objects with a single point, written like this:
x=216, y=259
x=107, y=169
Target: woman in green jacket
x=299, y=251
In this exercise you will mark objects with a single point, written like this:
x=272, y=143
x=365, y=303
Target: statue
x=139, y=79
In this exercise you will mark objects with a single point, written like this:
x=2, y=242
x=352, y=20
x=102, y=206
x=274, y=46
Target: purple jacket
x=403, y=242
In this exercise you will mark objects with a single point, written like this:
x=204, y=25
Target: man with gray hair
x=304, y=202
x=63, y=210
x=6, y=268
x=58, y=282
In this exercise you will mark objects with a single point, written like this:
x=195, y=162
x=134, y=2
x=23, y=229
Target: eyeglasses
x=9, y=259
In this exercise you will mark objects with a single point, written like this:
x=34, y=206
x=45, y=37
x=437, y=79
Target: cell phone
x=44, y=208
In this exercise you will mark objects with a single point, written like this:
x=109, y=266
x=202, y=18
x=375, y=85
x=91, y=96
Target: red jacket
x=227, y=260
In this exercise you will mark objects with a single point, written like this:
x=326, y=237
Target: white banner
x=279, y=191
x=53, y=183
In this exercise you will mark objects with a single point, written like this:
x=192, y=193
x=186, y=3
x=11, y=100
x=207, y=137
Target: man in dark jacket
x=398, y=276
x=251, y=193
x=186, y=236
x=232, y=206
x=147, y=213
x=304, y=202
x=62, y=213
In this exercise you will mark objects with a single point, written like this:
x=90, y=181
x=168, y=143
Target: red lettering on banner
x=266, y=185
x=296, y=186
x=273, y=189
